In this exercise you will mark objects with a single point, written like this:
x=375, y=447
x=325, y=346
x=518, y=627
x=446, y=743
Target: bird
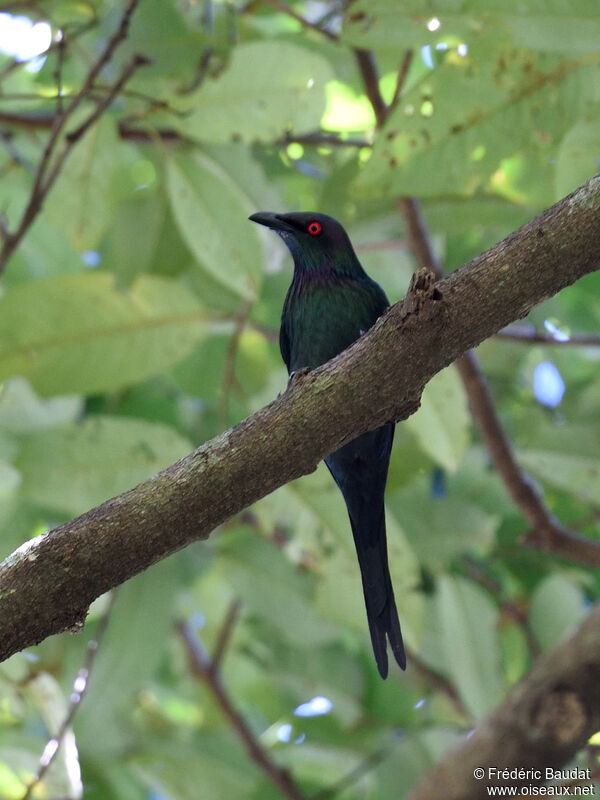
x=330, y=303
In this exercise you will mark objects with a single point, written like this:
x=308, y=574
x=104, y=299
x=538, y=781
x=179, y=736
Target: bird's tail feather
x=380, y=603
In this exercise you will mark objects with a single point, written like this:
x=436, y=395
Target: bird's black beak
x=276, y=222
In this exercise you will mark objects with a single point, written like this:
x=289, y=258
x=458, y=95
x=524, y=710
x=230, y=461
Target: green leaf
x=442, y=423
x=210, y=766
x=10, y=481
x=442, y=528
x=82, y=204
x=211, y=211
x=577, y=474
x=455, y=132
x=79, y=333
x=78, y=466
x=22, y=411
x=469, y=639
x=131, y=651
x=270, y=586
x=557, y=605
x=134, y=234
x=552, y=26
x=577, y=158
x=274, y=98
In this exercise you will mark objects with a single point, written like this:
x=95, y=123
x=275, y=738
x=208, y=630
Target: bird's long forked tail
x=380, y=603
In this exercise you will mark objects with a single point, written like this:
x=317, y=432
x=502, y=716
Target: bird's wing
x=284, y=344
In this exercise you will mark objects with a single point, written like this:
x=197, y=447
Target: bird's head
x=317, y=242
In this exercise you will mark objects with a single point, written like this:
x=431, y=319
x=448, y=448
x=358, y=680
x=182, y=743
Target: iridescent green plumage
x=330, y=303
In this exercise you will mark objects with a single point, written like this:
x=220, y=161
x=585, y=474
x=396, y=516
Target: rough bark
x=544, y=721
x=47, y=585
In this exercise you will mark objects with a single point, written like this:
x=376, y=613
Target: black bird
x=330, y=303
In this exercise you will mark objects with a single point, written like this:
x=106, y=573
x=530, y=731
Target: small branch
x=15, y=156
x=137, y=61
x=59, y=70
x=80, y=685
x=205, y=671
x=367, y=65
x=387, y=244
x=277, y=5
x=400, y=80
x=225, y=634
x=528, y=335
x=368, y=69
x=201, y=71
x=319, y=138
x=45, y=119
x=547, y=532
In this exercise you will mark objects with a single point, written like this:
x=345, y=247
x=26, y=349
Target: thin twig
x=313, y=26
x=385, y=244
x=60, y=58
x=547, y=532
x=128, y=70
x=529, y=335
x=368, y=69
x=400, y=80
x=201, y=71
x=319, y=138
x=202, y=668
x=80, y=685
x=15, y=156
x=224, y=636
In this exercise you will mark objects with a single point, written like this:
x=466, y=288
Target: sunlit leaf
x=274, y=99
x=211, y=211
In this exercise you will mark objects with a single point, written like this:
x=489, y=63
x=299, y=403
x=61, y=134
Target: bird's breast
x=322, y=320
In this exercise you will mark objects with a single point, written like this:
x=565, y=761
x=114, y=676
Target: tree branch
x=543, y=722
x=277, y=5
x=50, y=162
x=368, y=69
x=529, y=335
x=47, y=584
x=548, y=533
x=206, y=671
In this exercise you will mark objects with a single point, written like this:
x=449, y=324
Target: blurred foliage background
x=139, y=317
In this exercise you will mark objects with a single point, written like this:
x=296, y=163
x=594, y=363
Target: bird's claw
x=296, y=374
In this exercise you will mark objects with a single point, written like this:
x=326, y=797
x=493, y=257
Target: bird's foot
x=297, y=374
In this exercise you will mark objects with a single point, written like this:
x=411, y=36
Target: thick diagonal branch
x=47, y=585
x=543, y=723
x=547, y=533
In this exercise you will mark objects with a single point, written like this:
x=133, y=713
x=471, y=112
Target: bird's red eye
x=315, y=228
